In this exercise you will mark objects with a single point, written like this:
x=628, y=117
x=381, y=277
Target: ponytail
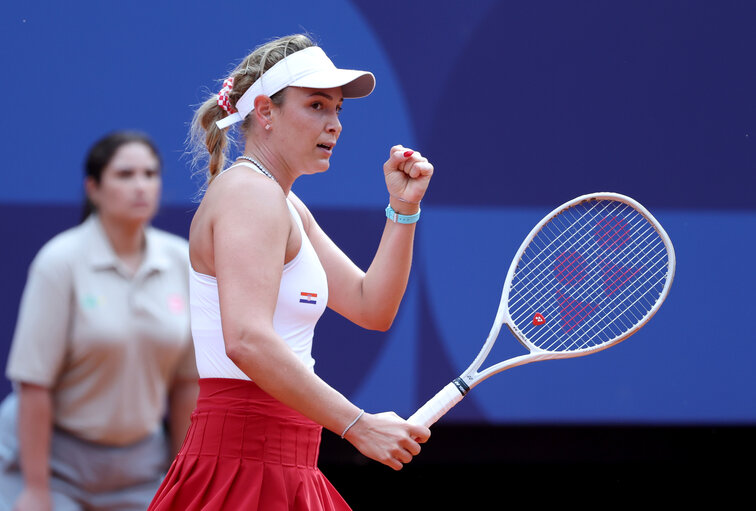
x=209, y=142
x=212, y=140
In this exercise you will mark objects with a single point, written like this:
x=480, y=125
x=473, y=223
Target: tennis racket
x=588, y=276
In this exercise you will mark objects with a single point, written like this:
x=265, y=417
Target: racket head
x=588, y=276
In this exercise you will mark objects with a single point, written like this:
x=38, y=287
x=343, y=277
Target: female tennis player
x=263, y=272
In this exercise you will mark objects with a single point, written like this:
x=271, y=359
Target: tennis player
x=262, y=274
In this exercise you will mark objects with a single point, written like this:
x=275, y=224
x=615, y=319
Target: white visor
x=305, y=68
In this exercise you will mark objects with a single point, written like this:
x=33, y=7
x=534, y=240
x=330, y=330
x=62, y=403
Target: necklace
x=258, y=165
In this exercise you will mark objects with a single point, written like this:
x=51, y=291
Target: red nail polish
x=407, y=154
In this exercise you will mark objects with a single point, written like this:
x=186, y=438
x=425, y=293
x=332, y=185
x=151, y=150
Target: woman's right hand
x=33, y=500
x=387, y=438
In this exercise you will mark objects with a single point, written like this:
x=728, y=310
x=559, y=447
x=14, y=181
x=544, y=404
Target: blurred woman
x=101, y=344
x=263, y=272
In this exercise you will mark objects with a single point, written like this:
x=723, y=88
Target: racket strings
x=573, y=251
x=610, y=286
x=542, y=272
x=575, y=307
x=619, y=315
x=612, y=320
x=565, y=233
x=558, y=273
x=571, y=317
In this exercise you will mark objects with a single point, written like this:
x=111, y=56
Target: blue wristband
x=401, y=219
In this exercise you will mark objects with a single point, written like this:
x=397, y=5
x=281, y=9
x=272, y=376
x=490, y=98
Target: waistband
x=236, y=418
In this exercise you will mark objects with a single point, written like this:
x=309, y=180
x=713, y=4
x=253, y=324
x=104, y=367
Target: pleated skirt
x=246, y=451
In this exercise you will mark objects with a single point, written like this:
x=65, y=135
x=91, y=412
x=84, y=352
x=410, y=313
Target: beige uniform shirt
x=108, y=344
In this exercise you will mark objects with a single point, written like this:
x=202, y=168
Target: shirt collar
x=155, y=257
x=102, y=256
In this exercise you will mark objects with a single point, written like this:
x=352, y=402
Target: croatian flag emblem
x=308, y=297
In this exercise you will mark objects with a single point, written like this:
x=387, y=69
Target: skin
x=126, y=198
x=224, y=243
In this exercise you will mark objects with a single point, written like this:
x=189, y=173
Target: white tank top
x=302, y=298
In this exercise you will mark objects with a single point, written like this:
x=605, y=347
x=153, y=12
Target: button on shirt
x=106, y=342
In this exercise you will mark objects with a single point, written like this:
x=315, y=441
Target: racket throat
x=462, y=387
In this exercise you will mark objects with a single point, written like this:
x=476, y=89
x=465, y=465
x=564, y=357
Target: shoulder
x=169, y=244
x=240, y=192
x=239, y=179
x=63, y=249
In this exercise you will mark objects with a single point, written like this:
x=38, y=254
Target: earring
x=267, y=126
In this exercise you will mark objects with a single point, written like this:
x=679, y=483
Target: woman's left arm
x=371, y=299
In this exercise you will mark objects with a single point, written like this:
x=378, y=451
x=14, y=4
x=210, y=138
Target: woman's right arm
x=34, y=431
x=250, y=228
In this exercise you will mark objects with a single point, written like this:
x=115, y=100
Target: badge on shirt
x=308, y=297
x=91, y=301
x=176, y=303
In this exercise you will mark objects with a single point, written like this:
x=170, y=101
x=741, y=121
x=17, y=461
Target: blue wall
x=520, y=105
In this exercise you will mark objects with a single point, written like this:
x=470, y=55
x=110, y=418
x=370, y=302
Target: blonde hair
x=205, y=138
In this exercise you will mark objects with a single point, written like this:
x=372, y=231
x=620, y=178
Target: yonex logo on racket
x=538, y=319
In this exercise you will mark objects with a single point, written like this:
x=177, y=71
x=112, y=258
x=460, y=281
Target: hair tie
x=223, y=100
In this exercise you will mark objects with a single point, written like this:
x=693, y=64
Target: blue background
x=520, y=105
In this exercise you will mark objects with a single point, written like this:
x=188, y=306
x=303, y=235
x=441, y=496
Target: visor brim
x=353, y=83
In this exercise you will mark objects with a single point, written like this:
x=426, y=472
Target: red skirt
x=244, y=451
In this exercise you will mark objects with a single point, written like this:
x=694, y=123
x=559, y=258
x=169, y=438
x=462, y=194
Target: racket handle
x=437, y=406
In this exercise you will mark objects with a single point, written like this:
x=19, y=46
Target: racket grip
x=437, y=406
